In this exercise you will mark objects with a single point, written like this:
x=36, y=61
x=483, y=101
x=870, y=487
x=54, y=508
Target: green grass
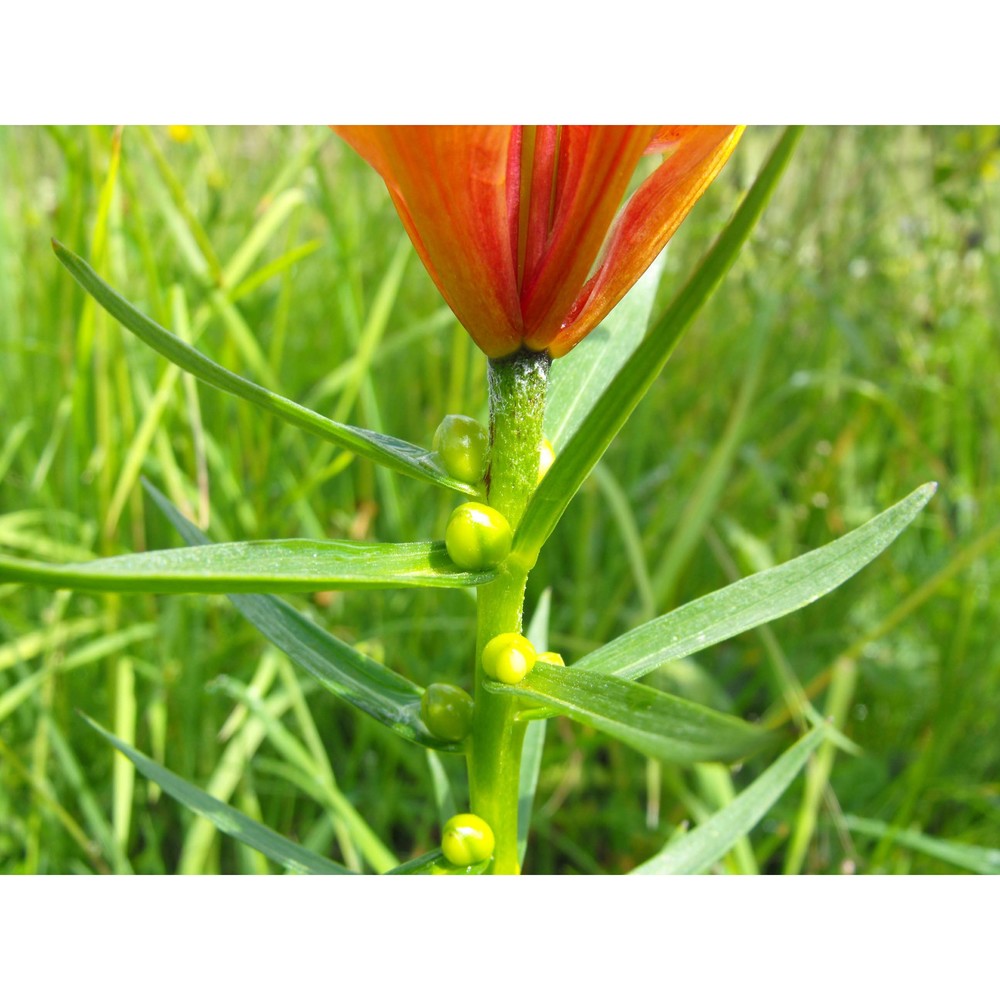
x=850, y=355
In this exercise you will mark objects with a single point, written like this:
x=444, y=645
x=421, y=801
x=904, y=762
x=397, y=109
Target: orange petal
x=650, y=218
x=595, y=166
x=449, y=185
x=667, y=137
x=537, y=198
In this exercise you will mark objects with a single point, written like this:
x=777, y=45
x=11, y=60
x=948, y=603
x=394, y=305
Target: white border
x=817, y=937
x=305, y=62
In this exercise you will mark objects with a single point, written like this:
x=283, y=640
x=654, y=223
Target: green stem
x=517, y=406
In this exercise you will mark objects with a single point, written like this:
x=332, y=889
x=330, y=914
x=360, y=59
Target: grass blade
x=755, y=599
x=981, y=860
x=107, y=645
x=314, y=777
x=700, y=506
x=123, y=776
x=608, y=415
x=702, y=847
x=230, y=821
x=653, y=722
x=297, y=565
x=391, y=452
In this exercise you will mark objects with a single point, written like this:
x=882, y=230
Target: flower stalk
x=518, y=384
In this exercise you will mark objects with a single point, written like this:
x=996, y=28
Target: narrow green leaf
x=401, y=456
x=297, y=565
x=608, y=415
x=653, y=722
x=755, y=599
x=531, y=768
x=534, y=734
x=702, y=847
x=86, y=801
x=577, y=380
x=292, y=856
x=435, y=863
x=359, y=680
x=310, y=773
x=971, y=857
x=444, y=797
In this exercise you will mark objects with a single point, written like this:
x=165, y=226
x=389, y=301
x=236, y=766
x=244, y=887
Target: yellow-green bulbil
x=467, y=840
x=477, y=537
x=508, y=657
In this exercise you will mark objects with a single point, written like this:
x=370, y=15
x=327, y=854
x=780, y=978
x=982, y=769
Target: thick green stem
x=517, y=405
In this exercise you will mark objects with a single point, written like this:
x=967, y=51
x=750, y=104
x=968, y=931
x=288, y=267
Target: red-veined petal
x=650, y=218
x=666, y=137
x=449, y=184
x=537, y=199
x=595, y=166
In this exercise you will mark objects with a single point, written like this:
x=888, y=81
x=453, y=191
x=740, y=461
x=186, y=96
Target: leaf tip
x=62, y=252
x=926, y=491
x=81, y=714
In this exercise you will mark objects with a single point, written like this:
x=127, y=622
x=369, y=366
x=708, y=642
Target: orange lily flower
x=522, y=227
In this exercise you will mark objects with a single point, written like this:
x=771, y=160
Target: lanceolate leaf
x=391, y=452
x=271, y=567
x=705, y=844
x=574, y=462
x=754, y=600
x=653, y=722
x=534, y=735
x=577, y=380
x=363, y=682
x=225, y=818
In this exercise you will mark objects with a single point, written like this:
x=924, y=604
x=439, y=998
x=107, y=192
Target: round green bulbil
x=446, y=711
x=477, y=537
x=509, y=657
x=462, y=444
x=467, y=840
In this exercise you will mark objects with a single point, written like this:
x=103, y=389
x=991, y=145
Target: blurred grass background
x=850, y=355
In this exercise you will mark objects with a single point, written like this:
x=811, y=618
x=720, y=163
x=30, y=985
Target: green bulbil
x=462, y=445
x=467, y=840
x=477, y=537
x=509, y=657
x=446, y=711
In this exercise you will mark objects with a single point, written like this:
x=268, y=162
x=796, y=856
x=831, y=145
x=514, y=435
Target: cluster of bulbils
x=477, y=538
